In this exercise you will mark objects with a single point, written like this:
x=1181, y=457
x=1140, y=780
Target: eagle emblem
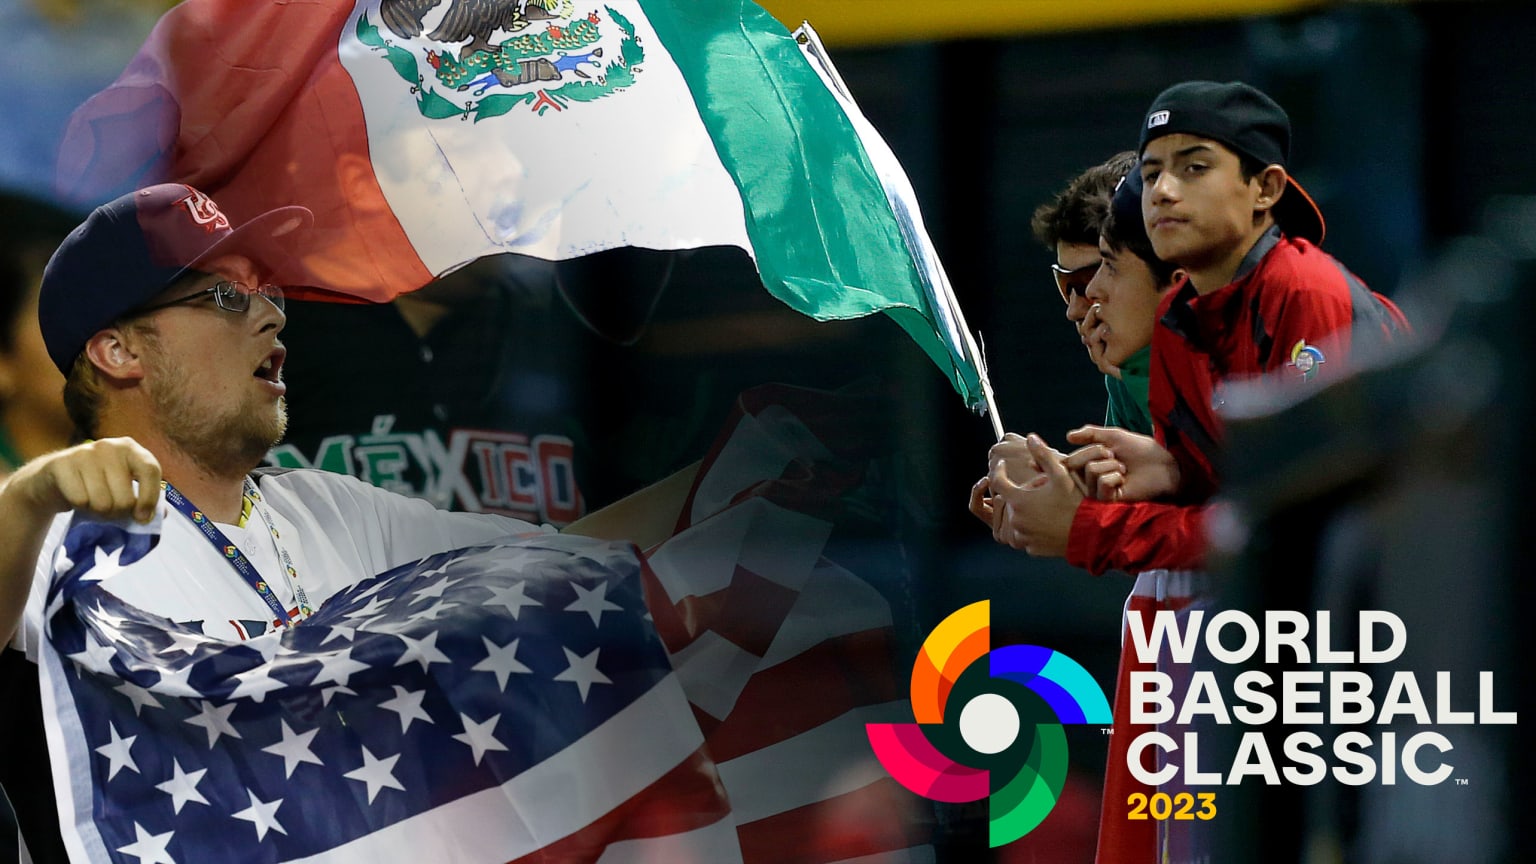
x=475, y=59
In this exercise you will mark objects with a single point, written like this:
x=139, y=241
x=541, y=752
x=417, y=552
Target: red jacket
x=1292, y=311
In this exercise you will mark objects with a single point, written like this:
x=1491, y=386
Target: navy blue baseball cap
x=132, y=248
x=1246, y=120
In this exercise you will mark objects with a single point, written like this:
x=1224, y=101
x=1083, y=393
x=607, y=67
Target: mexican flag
x=427, y=133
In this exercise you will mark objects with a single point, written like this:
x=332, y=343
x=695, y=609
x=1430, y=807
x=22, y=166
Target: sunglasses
x=1070, y=282
x=229, y=295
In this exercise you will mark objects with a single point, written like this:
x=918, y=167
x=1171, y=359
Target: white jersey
x=337, y=530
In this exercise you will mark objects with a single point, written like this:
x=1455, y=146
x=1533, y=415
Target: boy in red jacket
x=1260, y=299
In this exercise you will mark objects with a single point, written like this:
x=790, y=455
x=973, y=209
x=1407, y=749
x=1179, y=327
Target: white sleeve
x=29, y=635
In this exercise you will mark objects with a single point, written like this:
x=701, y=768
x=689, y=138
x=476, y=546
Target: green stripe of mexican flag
x=824, y=233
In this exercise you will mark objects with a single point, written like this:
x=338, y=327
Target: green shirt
x=1127, y=407
x=10, y=460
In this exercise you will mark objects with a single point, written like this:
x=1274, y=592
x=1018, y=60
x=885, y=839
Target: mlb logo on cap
x=1158, y=118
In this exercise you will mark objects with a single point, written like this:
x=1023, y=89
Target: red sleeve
x=1135, y=537
x=1315, y=318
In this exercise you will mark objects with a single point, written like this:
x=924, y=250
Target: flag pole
x=940, y=294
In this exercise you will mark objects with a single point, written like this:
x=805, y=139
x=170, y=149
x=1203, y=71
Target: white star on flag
x=177, y=682
x=112, y=624
x=371, y=610
x=118, y=752
x=262, y=814
x=61, y=561
x=182, y=787
x=269, y=645
x=215, y=719
x=256, y=683
x=514, y=598
x=148, y=848
x=594, y=602
x=347, y=633
x=407, y=705
x=105, y=565
x=294, y=748
x=186, y=643
x=338, y=668
x=376, y=773
x=423, y=651
x=433, y=591
x=431, y=613
x=480, y=736
x=138, y=696
x=501, y=660
x=583, y=671
x=328, y=692
x=96, y=657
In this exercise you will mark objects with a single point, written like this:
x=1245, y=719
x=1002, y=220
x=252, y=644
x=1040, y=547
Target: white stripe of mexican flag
x=663, y=125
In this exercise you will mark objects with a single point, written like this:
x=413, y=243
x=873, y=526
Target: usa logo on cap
x=1158, y=118
x=204, y=212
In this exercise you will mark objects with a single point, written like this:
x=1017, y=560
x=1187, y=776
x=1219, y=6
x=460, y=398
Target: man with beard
x=164, y=320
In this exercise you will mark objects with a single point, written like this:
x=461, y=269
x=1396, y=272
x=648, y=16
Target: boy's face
x=1126, y=294
x=1075, y=265
x=1197, y=206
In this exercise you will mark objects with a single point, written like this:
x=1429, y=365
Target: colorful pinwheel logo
x=967, y=742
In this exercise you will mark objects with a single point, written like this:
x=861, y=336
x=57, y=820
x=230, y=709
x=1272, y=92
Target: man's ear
x=1271, y=182
x=111, y=351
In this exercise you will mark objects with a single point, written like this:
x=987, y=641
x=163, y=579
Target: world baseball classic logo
x=974, y=706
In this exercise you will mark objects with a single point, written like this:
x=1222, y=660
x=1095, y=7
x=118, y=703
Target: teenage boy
x=1069, y=226
x=1260, y=299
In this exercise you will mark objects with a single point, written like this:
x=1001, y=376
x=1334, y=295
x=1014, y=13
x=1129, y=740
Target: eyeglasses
x=229, y=295
x=1070, y=282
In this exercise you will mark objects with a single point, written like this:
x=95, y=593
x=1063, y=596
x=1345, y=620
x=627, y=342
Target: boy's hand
x=1035, y=516
x=1120, y=465
x=1092, y=331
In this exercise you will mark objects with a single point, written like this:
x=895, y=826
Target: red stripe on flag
x=747, y=612
x=267, y=116
x=880, y=817
x=815, y=490
x=707, y=723
x=844, y=673
x=684, y=799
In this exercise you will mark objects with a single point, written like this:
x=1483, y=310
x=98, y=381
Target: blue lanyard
x=236, y=558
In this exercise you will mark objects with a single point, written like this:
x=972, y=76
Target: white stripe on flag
x=716, y=843
x=831, y=759
x=777, y=544
x=72, y=775
x=555, y=798
x=758, y=449
x=713, y=671
x=833, y=603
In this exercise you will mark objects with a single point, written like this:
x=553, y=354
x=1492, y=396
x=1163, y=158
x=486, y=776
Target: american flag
x=554, y=696
x=501, y=703
x=784, y=652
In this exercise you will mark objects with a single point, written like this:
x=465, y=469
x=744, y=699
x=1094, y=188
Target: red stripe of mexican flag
x=592, y=125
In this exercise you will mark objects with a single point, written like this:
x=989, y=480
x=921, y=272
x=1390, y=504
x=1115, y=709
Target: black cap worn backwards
x=1246, y=120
